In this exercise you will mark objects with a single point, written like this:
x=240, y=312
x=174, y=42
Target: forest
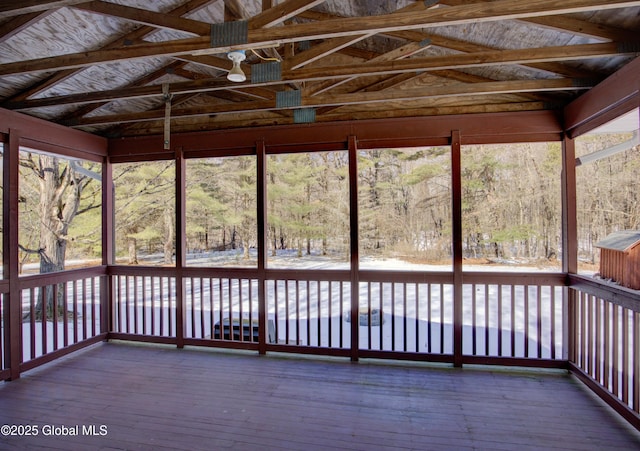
x=511, y=207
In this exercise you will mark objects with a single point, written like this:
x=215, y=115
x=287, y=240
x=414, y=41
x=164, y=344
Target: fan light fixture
x=236, y=74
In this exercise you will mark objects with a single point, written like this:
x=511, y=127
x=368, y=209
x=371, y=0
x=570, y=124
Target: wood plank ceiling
x=109, y=67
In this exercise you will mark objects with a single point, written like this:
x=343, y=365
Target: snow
x=417, y=317
x=498, y=320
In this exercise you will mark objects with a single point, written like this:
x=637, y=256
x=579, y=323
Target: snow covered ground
x=417, y=317
x=498, y=320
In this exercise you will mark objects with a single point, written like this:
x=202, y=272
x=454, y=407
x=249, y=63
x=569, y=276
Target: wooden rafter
x=12, y=8
x=411, y=65
x=147, y=17
x=357, y=65
x=149, y=78
x=568, y=24
x=16, y=24
x=280, y=13
x=231, y=121
x=462, y=46
x=460, y=89
x=399, y=53
x=134, y=36
x=333, y=45
x=269, y=37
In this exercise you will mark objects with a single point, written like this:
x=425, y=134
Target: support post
x=569, y=242
x=456, y=207
x=354, y=251
x=6, y=243
x=261, y=205
x=181, y=239
x=13, y=301
x=108, y=247
x=569, y=211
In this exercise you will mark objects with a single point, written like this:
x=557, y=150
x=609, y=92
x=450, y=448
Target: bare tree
x=60, y=187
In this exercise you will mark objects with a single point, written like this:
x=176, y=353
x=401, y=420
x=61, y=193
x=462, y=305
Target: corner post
x=569, y=242
x=108, y=247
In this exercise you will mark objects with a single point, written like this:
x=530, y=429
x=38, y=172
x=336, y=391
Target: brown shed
x=620, y=258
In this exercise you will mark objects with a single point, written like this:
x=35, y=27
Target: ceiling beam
x=270, y=37
x=321, y=50
x=467, y=60
x=11, y=8
x=458, y=89
x=600, y=105
x=147, y=17
x=133, y=36
x=276, y=15
x=334, y=45
x=412, y=65
x=16, y=24
x=227, y=122
x=149, y=78
x=461, y=46
x=569, y=24
x=396, y=54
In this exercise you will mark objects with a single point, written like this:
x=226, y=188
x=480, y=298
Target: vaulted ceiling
x=122, y=67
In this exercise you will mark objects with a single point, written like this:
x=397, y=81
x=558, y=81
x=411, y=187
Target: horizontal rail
x=50, y=357
x=610, y=292
x=39, y=280
x=406, y=276
x=515, y=278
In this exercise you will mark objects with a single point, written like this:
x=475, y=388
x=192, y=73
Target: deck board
x=157, y=397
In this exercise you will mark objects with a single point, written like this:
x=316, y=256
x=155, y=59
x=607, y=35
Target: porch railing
x=605, y=336
x=401, y=314
x=545, y=320
x=48, y=316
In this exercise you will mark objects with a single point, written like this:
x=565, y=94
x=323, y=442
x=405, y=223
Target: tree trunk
x=60, y=190
x=274, y=242
x=132, y=250
x=169, y=235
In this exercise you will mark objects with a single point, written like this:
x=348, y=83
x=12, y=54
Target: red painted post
x=569, y=241
x=10, y=239
x=353, y=243
x=456, y=207
x=261, y=205
x=180, y=219
x=108, y=246
x=6, y=244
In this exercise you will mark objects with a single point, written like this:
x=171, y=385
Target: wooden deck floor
x=150, y=397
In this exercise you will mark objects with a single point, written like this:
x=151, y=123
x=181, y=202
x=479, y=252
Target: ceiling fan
x=236, y=74
x=263, y=72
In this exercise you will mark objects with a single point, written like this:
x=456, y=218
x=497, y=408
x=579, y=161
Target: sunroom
x=401, y=185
